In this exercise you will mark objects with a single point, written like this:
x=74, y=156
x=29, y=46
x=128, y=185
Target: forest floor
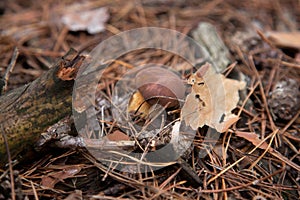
x=258, y=157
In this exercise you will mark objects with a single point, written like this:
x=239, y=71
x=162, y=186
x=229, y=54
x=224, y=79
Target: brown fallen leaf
x=51, y=179
x=211, y=100
x=285, y=39
x=118, y=136
x=253, y=138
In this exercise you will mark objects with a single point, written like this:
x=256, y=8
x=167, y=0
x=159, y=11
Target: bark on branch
x=27, y=111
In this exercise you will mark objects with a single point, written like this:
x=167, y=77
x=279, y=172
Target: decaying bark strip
x=27, y=111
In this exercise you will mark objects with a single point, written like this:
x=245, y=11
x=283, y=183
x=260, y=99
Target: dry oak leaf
x=212, y=98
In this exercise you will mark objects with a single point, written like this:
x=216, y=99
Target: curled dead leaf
x=211, y=100
x=253, y=138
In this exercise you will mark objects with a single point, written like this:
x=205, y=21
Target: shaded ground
x=235, y=169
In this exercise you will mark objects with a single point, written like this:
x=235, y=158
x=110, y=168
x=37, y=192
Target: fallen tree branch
x=29, y=110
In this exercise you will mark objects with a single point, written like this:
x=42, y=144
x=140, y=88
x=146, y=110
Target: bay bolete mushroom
x=160, y=86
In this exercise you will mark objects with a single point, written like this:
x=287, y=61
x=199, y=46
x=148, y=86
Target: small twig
x=265, y=39
x=282, y=131
x=252, y=89
x=229, y=69
x=263, y=95
x=297, y=66
x=13, y=195
x=266, y=150
x=34, y=191
x=9, y=69
x=243, y=185
x=242, y=158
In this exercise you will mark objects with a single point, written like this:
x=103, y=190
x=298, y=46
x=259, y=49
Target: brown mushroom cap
x=159, y=85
